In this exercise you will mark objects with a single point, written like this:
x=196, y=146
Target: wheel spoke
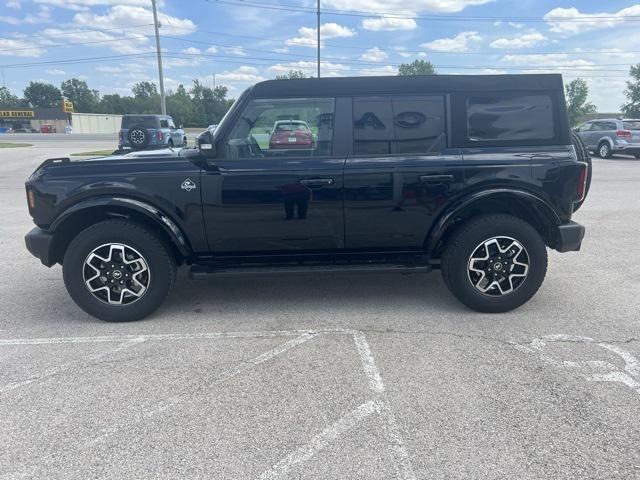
x=116, y=274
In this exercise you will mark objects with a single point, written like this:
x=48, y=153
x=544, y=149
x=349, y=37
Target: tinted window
x=146, y=122
x=507, y=118
x=283, y=127
x=631, y=125
x=164, y=123
x=401, y=124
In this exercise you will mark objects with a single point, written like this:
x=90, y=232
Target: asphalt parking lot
x=343, y=376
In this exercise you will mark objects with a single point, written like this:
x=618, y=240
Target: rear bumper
x=630, y=149
x=40, y=243
x=570, y=237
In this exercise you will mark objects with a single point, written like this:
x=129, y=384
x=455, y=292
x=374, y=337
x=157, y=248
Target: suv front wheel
x=118, y=271
x=494, y=263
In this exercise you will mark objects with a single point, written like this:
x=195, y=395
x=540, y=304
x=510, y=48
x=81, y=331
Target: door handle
x=436, y=178
x=316, y=182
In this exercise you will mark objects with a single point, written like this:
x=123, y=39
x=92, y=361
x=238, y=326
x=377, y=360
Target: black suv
x=472, y=175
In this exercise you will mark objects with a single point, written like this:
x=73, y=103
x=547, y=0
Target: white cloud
x=43, y=16
x=308, y=35
x=516, y=25
x=83, y=5
x=239, y=51
x=212, y=50
x=555, y=61
x=402, y=6
x=571, y=21
x=403, y=52
x=309, y=67
x=372, y=72
x=131, y=43
x=492, y=71
x=374, y=55
x=243, y=74
x=108, y=69
x=388, y=24
x=20, y=48
x=524, y=41
x=13, y=4
x=122, y=16
x=55, y=71
x=459, y=43
x=191, y=51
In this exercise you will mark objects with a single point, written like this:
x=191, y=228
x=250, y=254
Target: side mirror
x=206, y=144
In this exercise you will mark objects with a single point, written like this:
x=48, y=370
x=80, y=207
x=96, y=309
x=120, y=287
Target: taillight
x=623, y=134
x=159, y=136
x=582, y=182
x=31, y=198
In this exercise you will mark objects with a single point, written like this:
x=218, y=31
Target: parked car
x=473, y=175
x=141, y=132
x=607, y=136
x=288, y=134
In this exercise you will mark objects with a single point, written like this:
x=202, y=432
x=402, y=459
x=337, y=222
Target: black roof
x=405, y=84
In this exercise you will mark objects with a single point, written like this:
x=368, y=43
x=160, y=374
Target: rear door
x=402, y=170
x=269, y=196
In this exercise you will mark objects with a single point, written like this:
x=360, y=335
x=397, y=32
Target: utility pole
x=156, y=26
x=318, y=38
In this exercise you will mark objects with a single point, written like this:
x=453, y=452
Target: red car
x=290, y=134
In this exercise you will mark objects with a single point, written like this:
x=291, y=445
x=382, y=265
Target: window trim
x=459, y=112
x=446, y=101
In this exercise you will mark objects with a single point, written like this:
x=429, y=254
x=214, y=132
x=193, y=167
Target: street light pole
x=156, y=26
x=318, y=38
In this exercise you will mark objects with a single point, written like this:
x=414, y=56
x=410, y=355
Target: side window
x=171, y=124
x=164, y=123
x=585, y=127
x=300, y=127
x=610, y=126
x=509, y=117
x=399, y=124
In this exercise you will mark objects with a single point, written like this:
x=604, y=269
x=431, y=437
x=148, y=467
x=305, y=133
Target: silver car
x=606, y=136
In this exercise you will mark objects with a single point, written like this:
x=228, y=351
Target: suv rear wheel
x=118, y=271
x=604, y=150
x=494, y=263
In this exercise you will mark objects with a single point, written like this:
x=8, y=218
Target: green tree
x=9, y=100
x=180, y=106
x=417, y=67
x=632, y=92
x=292, y=75
x=209, y=104
x=577, y=93
x=77, y=91
x=144, y=90
x=40, y=94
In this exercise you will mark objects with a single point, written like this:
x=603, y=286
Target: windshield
x=631, y=125
x=291, y=127
x=145, y=121
x=233, y=108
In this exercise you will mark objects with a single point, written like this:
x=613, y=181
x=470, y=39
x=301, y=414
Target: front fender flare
x=447, y=218
x=141, y=207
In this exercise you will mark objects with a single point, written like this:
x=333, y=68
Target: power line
x=360, y=13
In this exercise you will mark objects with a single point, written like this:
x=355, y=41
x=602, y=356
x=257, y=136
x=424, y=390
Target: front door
x=278, y=185
x=401, y=173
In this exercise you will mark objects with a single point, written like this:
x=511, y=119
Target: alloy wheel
x=498, y=266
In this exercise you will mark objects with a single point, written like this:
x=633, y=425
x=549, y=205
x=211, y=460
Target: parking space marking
x=70, y=365
x=378, y=405
x=592, y=370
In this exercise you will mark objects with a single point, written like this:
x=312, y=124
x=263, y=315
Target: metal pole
x=318, y=38
x=156, y=26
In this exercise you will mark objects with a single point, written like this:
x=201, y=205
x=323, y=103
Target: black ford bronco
x=472, y=175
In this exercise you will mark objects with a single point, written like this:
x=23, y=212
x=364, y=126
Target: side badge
x=188, y=185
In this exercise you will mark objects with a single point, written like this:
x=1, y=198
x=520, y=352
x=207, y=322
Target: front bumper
x=570, y=237
x=40, y=244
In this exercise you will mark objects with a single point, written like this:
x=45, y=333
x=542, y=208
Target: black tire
x=170, y=143
x=583, y=156
x=637, y=155
x=159, y=259
x=468, y=238
x=138, y=137
x=604, y=150
x=184, y=142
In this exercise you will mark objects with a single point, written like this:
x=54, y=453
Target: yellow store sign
x=17, y=114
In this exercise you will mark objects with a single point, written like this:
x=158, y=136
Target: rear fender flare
x=447, y=218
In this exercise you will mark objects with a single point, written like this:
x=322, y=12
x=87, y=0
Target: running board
x=205, y=271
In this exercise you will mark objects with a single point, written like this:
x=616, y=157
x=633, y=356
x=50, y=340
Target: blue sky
x=109, y=43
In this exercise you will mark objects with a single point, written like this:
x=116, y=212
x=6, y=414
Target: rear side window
x=631, y=125
x=399, y=125
x=519, y=117
x=164, y=123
